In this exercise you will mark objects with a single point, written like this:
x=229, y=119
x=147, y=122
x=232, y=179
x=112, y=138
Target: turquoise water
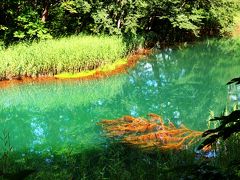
x=182, y=85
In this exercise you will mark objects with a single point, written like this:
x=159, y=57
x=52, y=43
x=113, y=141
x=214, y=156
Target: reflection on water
x=182, y=85
x=234, y=95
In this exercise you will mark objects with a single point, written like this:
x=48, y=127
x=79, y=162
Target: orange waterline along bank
x=150, y=133
x=98, y=74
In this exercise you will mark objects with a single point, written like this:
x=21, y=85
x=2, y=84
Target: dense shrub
x=168, y=20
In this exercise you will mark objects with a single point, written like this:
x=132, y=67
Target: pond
x=182, y=85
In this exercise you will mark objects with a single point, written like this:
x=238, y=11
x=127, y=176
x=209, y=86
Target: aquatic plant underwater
x=152, y=133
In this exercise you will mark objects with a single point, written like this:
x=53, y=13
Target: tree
x=161, y=20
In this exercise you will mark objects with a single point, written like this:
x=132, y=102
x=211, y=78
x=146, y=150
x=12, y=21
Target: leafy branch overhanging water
x=229, y=125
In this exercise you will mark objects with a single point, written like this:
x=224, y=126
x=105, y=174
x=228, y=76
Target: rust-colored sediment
x=132, y=60
x=152, y=133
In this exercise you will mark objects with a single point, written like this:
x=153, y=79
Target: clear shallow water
x=182, y=85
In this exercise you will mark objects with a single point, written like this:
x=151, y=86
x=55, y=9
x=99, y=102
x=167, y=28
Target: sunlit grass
x=105, y=68
x=66, y=75
x=69, y=54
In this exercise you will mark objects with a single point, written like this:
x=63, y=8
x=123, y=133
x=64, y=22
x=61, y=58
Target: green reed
x=68, y=54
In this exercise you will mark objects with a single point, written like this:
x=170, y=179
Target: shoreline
x=132, y=59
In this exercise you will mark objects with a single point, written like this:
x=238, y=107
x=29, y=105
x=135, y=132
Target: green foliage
x=229, y=125
x=30, y=26
x=222, y=14
x=234, y=80
x=103, y=23
x=3, y=28
x=76, y=7
x=171, y=20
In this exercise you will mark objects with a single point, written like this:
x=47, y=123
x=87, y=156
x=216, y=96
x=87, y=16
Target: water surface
x=182, y=85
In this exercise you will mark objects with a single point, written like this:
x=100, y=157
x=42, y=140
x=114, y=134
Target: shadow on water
x=114, y=161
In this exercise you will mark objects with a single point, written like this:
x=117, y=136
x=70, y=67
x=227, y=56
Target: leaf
x=234, y=80
x=229, y=125
x=208, y=141
x=19, y=34
x=3, y=28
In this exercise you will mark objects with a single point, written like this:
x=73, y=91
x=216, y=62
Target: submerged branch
x=152, y=133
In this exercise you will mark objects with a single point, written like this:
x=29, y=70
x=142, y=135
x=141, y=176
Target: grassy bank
x=50, y=57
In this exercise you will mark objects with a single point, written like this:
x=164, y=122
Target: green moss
x=75, y=75
x=106, y=68
x=111, y=67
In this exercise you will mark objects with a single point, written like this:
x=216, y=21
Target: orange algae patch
x=150, y=133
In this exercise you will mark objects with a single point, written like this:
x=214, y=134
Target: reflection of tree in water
x=184, y=84
x=49, y=116
x=46, y=131
x=233, y=96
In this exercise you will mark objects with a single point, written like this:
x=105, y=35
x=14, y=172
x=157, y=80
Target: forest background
x=155, y=20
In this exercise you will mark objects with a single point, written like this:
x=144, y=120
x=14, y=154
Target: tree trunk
x=45, y=13
x=118, y=23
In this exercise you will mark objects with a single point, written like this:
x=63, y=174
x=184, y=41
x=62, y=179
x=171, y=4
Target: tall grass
x=71, y=54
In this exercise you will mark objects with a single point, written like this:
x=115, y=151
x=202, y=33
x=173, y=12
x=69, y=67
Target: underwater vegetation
x=152, y=133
